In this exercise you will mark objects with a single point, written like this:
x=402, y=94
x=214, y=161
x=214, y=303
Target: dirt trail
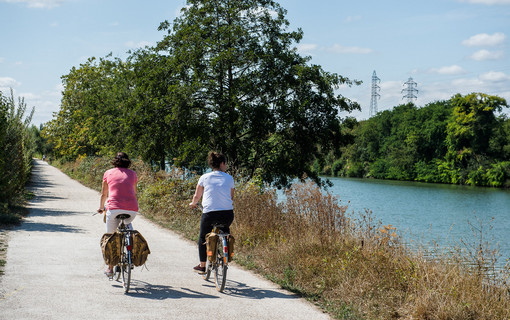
x=54, y=269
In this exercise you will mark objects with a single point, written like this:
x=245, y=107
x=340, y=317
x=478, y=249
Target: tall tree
x=472, y=125
x=94, y=106
x=264, y=106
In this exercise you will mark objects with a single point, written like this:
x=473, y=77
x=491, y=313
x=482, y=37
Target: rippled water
x=426, y=212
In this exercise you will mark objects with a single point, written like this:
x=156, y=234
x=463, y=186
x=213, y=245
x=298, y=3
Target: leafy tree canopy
x=264, y=106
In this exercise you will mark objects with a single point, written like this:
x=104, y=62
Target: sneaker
x=199, y=269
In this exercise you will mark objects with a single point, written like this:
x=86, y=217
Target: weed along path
x=54, y=269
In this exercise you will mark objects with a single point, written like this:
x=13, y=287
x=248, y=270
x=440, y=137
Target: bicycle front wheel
x=126, y=266
x=220, y=270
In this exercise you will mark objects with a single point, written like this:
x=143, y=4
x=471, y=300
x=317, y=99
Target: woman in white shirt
x=217, y=189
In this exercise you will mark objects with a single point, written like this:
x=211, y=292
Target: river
x=427, y=212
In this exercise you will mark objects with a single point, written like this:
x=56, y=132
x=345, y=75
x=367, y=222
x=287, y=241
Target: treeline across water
x=464, y=140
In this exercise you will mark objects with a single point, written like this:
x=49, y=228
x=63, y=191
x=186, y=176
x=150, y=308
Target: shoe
x=199, y=269
x=108, y=273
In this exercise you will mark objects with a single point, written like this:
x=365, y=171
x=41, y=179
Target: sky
x=445, y=46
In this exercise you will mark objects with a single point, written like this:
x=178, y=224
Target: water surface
x=426, y=212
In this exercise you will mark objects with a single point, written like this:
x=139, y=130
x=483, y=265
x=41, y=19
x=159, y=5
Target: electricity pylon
x=410, y=91
x=375, y=95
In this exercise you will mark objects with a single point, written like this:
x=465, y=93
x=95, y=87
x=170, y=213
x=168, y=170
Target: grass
x=10, y=216
x=349, y=265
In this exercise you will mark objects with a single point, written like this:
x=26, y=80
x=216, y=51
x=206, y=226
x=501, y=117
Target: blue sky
x=446, y=46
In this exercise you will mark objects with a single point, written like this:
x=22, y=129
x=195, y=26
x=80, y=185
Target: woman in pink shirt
x=119, y=187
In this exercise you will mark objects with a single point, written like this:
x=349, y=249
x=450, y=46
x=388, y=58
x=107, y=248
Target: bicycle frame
x=125, y=265
x=220, y=265
x=223, y=241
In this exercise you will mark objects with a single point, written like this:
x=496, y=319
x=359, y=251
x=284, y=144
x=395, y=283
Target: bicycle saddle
x=123, y=216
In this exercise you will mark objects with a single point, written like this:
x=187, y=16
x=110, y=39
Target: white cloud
x=488, y=2
x=7, y=82
x=336, y=48
x=484, y=39
x=467, y=83
x=306, y=47
x=494, y=76
x=47, y=4
x=390, y=90
x=1, y=59
x=45, y=103
x=140, y=44
x=486, y=55
x=449, y=70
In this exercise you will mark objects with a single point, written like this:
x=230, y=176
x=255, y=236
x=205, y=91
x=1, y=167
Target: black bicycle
x=125, y=265
x=220, y=261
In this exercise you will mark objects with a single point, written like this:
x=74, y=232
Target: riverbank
x=350, y=265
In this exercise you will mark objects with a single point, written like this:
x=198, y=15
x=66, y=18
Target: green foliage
x=15, y=154
x=268, y=110
x=471, y=127
x=93, y=110
x=226, y=76
x=459, y=141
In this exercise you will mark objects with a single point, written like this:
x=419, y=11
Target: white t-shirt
x=217, y=191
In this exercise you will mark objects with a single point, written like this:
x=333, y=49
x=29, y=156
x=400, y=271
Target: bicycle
x=125, y=265
x=220, y=264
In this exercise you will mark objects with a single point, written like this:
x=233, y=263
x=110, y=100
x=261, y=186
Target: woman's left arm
x=199, y=191
x=104, y=195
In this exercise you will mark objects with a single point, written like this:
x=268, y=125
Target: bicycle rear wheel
x=220, y=270
x=117, y=271
x=208, y=268
x=126, y=266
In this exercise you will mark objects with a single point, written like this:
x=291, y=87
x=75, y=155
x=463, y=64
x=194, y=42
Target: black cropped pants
x=224, y=217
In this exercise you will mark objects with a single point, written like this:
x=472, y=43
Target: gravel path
x=54, y=269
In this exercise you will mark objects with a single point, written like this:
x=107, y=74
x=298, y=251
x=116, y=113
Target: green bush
x=336, y=168
x=15, y=155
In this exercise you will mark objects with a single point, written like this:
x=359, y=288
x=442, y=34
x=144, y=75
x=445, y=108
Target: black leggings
x=224, y=217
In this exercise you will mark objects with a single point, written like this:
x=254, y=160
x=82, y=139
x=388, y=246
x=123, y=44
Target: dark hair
x=121, y=160
x=215, y=159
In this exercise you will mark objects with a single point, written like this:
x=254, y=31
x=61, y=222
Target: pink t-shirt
x=121, y=189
